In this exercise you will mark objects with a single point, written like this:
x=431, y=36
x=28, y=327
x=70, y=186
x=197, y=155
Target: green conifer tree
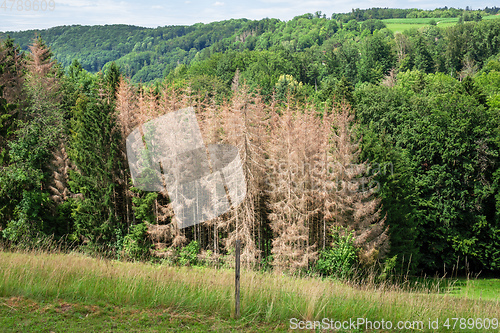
x=112, y=78
x=423, y=59
x=94, y=149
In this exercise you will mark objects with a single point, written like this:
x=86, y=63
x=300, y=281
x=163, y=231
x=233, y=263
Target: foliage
x=372, y=25
x=143, y=206
x=447, y=136
x=94, y=150
x=23, y=178
x=136, y=244
x=389, y=268
x=28, y=224
x=188, y=255
x=148, y=55
x=341, y=258
x=287, y=86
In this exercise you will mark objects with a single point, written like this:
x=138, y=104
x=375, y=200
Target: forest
x=361, y=148
x=148, y=54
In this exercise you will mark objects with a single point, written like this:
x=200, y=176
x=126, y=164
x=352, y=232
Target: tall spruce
x=112, y=79
x=95, y=151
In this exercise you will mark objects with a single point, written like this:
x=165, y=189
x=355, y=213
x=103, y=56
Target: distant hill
x=144, y=53
x=148, y=54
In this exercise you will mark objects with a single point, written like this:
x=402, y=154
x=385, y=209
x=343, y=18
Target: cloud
x=217, y=4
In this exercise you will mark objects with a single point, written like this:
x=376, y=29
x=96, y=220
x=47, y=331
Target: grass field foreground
x=268, y=300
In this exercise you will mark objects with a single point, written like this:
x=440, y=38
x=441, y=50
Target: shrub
x=188, y=256
x=136, y=244
x=27, y=227
x=341, y=258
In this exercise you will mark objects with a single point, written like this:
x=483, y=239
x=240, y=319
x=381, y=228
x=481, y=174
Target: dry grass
x=265, y=297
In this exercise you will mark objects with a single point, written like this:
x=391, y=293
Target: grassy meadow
x=73, y=292
x=402, y=24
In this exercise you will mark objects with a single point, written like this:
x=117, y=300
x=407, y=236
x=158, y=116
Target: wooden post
x=237, y=280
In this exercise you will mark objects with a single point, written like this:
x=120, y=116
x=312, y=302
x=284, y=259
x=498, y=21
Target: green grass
x=480, y=289
x=420, y=20
x=402, y=24
x=19, y=314
x=491, y=17
x=72, y=292
x=487, y=289
x=403, y=27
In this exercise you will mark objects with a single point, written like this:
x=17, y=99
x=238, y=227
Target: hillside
x=144, y=53
x=148, y=54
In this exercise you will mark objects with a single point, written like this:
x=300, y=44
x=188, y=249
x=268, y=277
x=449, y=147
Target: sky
x=17, y=15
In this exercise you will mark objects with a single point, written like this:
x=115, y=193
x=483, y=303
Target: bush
x=136, y=244
x=188, y=256
x=28, y=226
x=341, y=258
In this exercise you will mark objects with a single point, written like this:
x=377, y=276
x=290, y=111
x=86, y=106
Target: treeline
x=389, y=13
x=386, y=145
